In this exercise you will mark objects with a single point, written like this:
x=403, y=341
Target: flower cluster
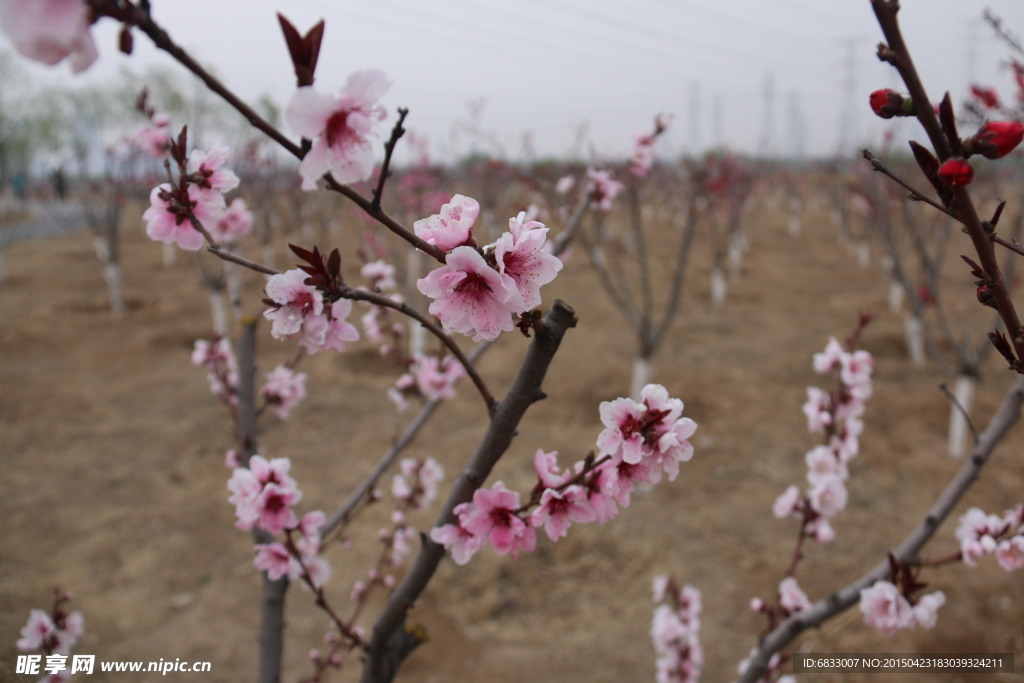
x=602, y=188
x=283, y=390
x=340, y=125
x=675, y=630
x=981, y=534
x=431, y=377
x=53, y=634
x=263, y=495
x=887, y=610
x=301, y=309
x=789, y=600
x=152, y=139
x=643, y=148
x=641, y=442
x=478, y=291
x=838, y=416
x=221, y=367
x=199, y=195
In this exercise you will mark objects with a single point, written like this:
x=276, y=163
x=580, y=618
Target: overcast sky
x=779, y=76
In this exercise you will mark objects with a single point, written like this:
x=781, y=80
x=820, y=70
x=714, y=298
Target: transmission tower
x=767, y=145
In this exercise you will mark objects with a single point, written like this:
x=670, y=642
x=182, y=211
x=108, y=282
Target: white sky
x=548, y=66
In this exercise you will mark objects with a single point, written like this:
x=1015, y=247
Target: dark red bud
x=997, y=138
x=956, y=172
x=889, y=103
x=986, y=298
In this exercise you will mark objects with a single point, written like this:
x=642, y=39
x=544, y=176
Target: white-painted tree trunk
x=417, y=333
x=112, y=274
x=794, y=218
x=233, y=286
x=895, y=297
x=641, y=376
x=3, y=266
x=914, y=331
x=718, y=287
x=863, y=254
x=170, y=254
x=963, y=392
x=218, y=312
x=737, y=245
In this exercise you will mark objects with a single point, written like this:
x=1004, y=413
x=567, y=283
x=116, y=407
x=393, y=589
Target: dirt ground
x=113, y=482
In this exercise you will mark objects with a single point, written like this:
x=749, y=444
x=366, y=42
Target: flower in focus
x=956, y=172
x=340, y=126
x=996, y=139
x=452, y=226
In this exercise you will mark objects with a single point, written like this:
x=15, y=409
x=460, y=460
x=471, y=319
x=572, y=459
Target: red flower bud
x=986, y=297
x=956, y=172
x=997, y=138
x=889, y=103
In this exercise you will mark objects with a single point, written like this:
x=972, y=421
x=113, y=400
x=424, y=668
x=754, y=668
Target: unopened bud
x=889, y=103
x=986, y=297
x=996, y=139
x=956, y=172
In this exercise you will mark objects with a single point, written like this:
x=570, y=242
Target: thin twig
x=389, y=147
x=915, y=195
x=963, y=411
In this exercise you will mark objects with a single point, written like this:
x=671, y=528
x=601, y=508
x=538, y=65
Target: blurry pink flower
x=48, y=31
x=459, y=541
x=283, y=390
x=452, y=226
x=520, y=254
x=622, y=437
x=822, y=462
x=643, y=155
x=273, y=505
x=234, y=223
x=565, y=184
x=469, y=296
x=791, y=596
x=976, y=532
x=341, y=126
x=831, y=358
x=828, y=496
x=926, y=610
x=885, y=609
x=153, y=140
x=786, y=504
x=548, y=474
x=818, y=410
x=167, y=221
x=856, y=369
x=601, y=487
x=381, y=275
x=820, y=530
x=436, y=378
x=274, y=559
x=602, y=188
x=494, y=516
x=36, y=631
x=1010, y=553
x=317, y=566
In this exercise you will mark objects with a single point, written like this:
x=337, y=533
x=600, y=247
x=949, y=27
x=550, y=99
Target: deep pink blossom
x=494, y=516
x=469, y=296
x=49, y=31
x=295, y=300
x=560, y=509
x=206, y=170
x=340, y=127
x=167, y=221
x=459, y=541
x=274, y=559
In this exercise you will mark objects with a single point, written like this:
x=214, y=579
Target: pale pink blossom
x=926, y=610
x=520, y=254
x=651, y=429
x=283, y=390
x=493, y=516
x=786, y=504
x=340, y=127
x=818, y=410
x=828, y=495
x=168, y=222
x=791, y=596
x=820, y=530
x=36, y=631
x=856, y=370
x=317, y=567
x=977, y=532
x=822, y=462
x=831, y=358
x=565, y=184
x=233, y=224
x=885, y=609
x=1010, y=553
x=548, y=474
x=49, y=31
x=274, y=559
x=643, y=154
x=469, y=296
x=295, y=301
x=560, y=509
x=601, y=488
x=459, y=541
x=602, y=188
x=381, y=275
x=452, y=226
x=153, y=140
x=435, y=378
x=206, y=170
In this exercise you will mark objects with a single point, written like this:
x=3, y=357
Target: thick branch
x=391, y=643
x=906, y=552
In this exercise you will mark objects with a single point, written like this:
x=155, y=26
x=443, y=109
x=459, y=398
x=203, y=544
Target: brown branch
x=389, y=147
x=915, y=195
x=906, y=552
x=391, y=643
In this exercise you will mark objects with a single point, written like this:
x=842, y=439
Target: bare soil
x=113, y=482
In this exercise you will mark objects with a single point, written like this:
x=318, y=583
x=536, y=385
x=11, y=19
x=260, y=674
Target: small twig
x=963, y=411
x=381, y=300
x=222, y=253
x=1016, y=248
x=915, y=195
x=389, y=147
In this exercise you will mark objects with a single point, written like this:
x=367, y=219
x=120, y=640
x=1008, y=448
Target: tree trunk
x=959, y=413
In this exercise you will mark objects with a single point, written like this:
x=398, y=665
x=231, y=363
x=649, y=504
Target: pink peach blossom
x=341, y=126
x=49, y=31
x=452, y=226
x=520, y=254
